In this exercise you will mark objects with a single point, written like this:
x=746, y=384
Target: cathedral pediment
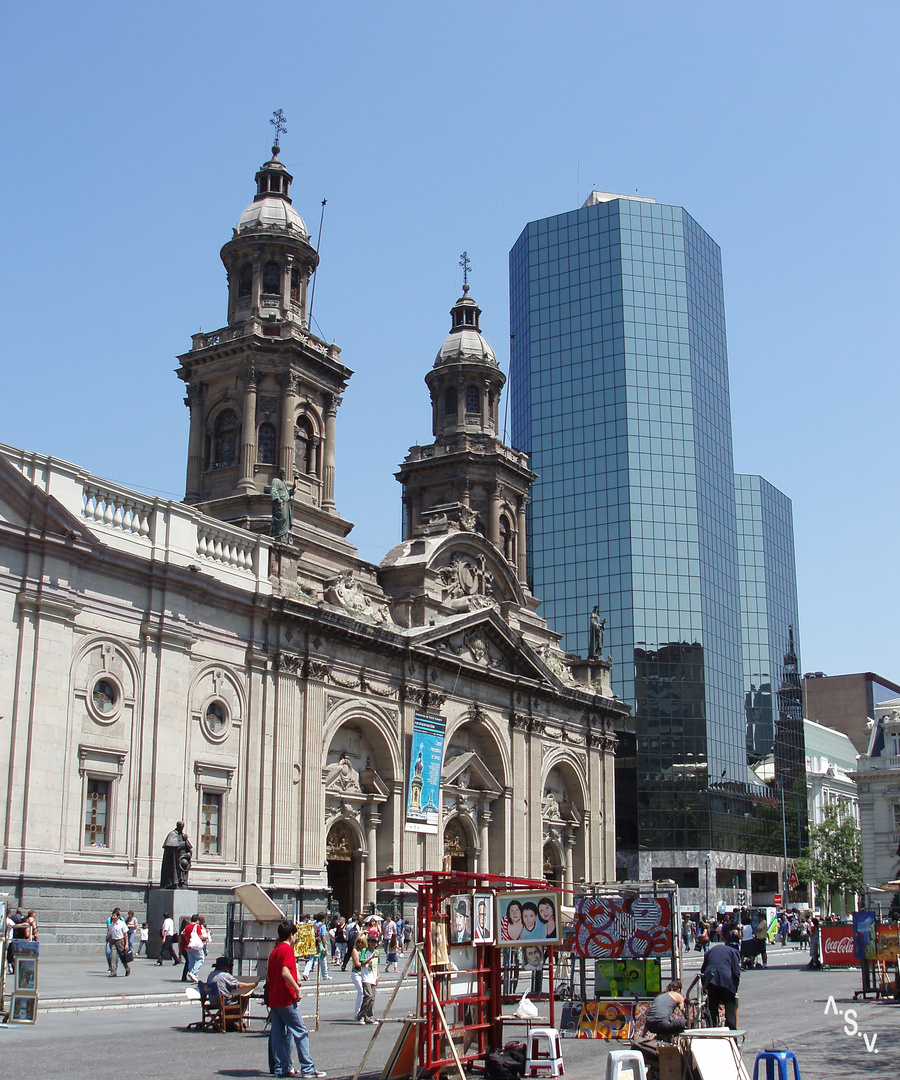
x=25, y=508
x=483, y=639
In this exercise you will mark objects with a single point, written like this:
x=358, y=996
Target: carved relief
x=346, y=593
x=466, y=582
x=341, y=776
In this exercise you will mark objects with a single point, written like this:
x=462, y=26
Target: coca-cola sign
x=837, y=946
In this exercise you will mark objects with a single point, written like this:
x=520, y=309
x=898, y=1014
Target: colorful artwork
x=305, y=945
x=886, y=945
x=526, y=917
x=627, y=978
x=597, y=1020
x=641, y=1008
x=618, y=926
x=23, y=1009
x=864, y=935
x=26, y=973
x=427, y=756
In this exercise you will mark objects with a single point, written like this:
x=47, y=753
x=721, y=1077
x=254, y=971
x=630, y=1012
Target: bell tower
x=467, y=476
x=263, y=391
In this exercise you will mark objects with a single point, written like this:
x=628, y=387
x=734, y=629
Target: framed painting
x=23, y=1009
x=523, y=918
x=460, y=919
x=26, y=974
x=483, y=918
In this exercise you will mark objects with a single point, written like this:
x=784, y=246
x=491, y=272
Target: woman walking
x=364, y=976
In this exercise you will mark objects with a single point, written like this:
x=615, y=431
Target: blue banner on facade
x=426, y=757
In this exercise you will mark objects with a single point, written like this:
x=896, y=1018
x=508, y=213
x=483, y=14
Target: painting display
x=427, y=756
x=440, y=957
x=524, y=917
x=533, y=957
x=627, y=927
x=483, y=925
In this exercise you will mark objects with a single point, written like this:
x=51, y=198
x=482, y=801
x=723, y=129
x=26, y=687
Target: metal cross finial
x=466, y=267
x=278, y=122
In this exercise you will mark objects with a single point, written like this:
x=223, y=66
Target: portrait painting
x=459, y=910
x=525, y=917
x=533, y=957
x=439, y=955
x=483, y=917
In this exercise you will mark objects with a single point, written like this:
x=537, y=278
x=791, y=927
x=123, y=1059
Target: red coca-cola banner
x=837, y=946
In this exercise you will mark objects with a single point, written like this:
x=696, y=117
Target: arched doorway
x=339, y=849
x=553, y=867
x=456, y=844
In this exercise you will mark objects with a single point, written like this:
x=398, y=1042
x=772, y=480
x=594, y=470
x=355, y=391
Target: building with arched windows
x=175, y=661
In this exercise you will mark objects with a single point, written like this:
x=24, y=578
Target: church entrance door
x=341, y=869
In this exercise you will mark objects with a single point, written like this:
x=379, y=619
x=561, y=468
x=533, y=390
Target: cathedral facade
x=229, y=661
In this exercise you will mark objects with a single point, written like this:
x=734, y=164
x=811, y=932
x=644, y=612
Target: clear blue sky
x=131, y=135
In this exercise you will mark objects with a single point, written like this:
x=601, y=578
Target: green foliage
x=833, y=860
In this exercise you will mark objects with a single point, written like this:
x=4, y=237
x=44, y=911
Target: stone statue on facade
x=598, y=627
x=282, y=511
x=176, y=862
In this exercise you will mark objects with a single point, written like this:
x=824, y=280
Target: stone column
x=248, y=432
x=461, y=404
x=194, y=401
x=256, y=287
x=286, y=285
x=288, y=416
x=521, y=545
x=370, y=889
x=569, y=849
x=484, y=855
x=328, y=464
x=494, y=523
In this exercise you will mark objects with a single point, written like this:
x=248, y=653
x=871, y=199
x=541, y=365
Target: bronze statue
x=176, y=862
x=282, y=511
x=598, y=626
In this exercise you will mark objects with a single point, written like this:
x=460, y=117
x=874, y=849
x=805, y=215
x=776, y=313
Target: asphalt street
x=102, y=1028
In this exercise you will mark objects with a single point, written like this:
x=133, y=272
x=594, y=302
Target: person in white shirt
x=167, y=937
x=116, y=935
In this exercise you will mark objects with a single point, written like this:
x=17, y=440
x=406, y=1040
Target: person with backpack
x=352, y=932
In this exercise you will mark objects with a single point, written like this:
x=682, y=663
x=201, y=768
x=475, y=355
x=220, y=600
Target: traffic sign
x=776, y=899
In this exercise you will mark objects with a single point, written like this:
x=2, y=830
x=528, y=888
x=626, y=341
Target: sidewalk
x=72, y=983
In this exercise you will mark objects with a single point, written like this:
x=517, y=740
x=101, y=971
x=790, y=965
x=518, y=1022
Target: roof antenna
x=312, y=293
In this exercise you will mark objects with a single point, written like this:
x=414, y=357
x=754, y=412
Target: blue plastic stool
x=775, y=1059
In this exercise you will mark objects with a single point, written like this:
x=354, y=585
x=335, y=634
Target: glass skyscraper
x=619, y=392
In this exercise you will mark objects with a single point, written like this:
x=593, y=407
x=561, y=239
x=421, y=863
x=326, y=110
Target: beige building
x=168, y=661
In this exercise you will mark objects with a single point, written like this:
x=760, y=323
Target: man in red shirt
x=283, y=992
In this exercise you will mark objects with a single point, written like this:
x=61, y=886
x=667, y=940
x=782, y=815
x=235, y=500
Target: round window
x=104, y=696
x=216, y=719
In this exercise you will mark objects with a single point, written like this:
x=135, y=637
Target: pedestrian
x=144, y=941
x=167, y=937
x=352, y=930
x=320, y=933
x=340, y=942
x=132, y=924
x=388, y=929
x=112, y=962
x=815, y=959
x=283, y=994
x=762, y=938
x=390, y=949
x=686, y=932
x=117, y=936
x=197, y=938
x=785, y=929
x=365, y=976
x=720, y=974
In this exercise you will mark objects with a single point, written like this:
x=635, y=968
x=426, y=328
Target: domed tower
x=263, y=391
x=467, y=477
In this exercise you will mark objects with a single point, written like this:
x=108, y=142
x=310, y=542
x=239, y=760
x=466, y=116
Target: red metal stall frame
x=433, y=888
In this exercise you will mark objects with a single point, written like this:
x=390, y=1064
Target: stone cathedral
x=168, y=661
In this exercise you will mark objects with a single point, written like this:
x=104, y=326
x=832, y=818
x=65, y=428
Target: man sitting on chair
x=222, y=985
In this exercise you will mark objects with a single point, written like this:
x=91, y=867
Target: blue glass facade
x=769, y=614
x=619, y=392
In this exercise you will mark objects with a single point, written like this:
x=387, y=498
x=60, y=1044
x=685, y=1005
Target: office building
x=847, y=702
x=620, y=394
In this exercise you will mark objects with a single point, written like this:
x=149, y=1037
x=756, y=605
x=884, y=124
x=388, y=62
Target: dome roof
x=272, y=212
x=465, y=346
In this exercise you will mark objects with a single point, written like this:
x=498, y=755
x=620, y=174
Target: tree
x=833, y=860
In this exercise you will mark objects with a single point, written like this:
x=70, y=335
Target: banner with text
x=426, y=756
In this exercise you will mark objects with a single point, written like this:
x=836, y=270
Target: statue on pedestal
x=176, y=863
x=598, y=626
x=282, y=511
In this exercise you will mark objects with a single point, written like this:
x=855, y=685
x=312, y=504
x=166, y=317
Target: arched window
x=506, y=538
x=304, y=447
x=271, y=279
x=295, y=285
x=226, y=438
x=450, y=401
x=246, y=280
x=266, y=442
x=473, y=399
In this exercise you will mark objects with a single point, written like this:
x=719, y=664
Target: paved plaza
x=97, y=1027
